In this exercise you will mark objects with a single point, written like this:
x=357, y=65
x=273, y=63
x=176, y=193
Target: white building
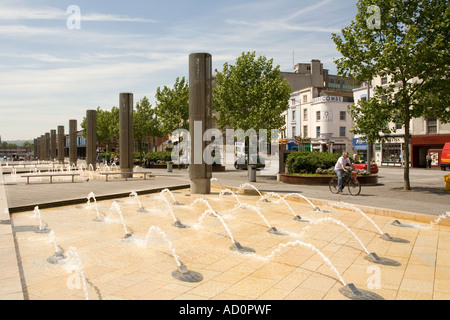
x=427, y=136
x=318, y=109
x=322, y=119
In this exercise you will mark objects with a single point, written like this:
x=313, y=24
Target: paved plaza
x=244, y=248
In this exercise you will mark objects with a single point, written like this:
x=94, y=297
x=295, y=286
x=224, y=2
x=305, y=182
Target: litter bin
x=251, y=173
x=447, y=182
x=169, y=166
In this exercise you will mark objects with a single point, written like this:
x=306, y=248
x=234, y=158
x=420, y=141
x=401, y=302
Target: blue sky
x=50, y=73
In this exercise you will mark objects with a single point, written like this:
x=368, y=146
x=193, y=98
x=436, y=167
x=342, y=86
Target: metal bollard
x=251, y=173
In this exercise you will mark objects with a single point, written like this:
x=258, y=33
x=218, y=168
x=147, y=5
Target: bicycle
x=351, y=181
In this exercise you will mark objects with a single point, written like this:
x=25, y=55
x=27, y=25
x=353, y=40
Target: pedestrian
x=339, y=168
x=428, y=160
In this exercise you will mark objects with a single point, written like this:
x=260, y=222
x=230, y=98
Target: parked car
x=363, y=166
x=242, y=163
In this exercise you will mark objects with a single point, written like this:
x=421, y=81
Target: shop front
x=359, y=150
x=427, y=144
x=390, y=152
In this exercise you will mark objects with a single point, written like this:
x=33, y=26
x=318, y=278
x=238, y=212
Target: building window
x=431, y=125
x=317, y=132
x=398, y=126
x=305, y=98
x=318, y=116
x=305, y=131
x=294, y=128
x=384, y=80
x=293, y=101
x=293, y=116
x=342, y=131
x=305, y=114
x=342, y=115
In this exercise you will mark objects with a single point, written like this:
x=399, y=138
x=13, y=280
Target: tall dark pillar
x=126, y=132
x=35, y=147
x=42, y=144
x=91, y=138
x=200, y=120
x=47, y=146
x=61, y=144
x=72, y=142
x=52, y=145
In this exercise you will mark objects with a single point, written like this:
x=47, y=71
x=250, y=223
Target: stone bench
x=127, y=174
x=51, y=175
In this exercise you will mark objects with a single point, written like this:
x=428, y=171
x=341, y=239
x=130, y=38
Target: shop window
x=391, y=153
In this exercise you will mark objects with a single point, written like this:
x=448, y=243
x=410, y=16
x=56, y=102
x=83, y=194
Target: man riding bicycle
x=339, y=168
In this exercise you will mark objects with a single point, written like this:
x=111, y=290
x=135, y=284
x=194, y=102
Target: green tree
x=410, y=46
x=107, y=126
x=145, y=123
x=251, y=94
x=172, y=108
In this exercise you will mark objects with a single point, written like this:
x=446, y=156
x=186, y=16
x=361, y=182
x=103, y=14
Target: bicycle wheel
x=354, y=187
x=333, y=184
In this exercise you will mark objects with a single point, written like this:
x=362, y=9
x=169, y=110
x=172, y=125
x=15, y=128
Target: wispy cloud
x=305, y=10
x=51, y=13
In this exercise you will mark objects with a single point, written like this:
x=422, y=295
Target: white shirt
x=343, y=161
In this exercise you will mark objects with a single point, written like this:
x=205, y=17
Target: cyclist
x=339, y=168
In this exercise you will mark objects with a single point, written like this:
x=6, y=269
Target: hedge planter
x=324, y=180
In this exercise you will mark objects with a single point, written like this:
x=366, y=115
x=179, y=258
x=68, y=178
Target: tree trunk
x=406, y=182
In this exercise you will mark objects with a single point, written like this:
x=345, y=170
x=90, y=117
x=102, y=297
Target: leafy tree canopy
x=251, y=94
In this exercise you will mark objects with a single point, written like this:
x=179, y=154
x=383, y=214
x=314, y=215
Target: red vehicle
x=363, y=166
x=445, y=157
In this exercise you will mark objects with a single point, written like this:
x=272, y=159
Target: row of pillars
x=200, y=111
x=46, y=145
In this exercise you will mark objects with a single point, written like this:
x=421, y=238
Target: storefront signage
x=395, y=140
x=359, y=144
x=326, y=135
x=327, y=99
